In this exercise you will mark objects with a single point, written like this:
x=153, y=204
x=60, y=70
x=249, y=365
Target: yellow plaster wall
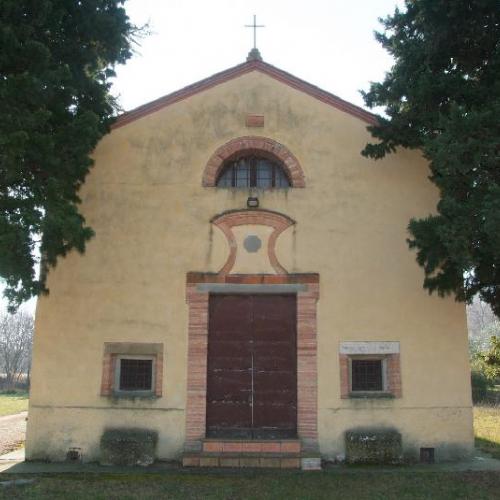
x=151, y=216
x=252, y=262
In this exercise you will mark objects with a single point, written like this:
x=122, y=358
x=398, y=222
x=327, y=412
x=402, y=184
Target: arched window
x=253, y=171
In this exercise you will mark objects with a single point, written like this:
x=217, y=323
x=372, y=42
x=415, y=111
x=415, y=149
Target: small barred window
x=253, y=172
x=136, y=374
x=367, y=375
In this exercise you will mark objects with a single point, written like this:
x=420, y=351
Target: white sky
x=328, y=43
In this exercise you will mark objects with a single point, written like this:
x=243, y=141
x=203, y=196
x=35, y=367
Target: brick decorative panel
x=344, y=376
x=227, y=220
x=158, y=375
x=196, y=367
x=394, y=375
x=251, y=145
x=254, y=121
x=307, y=371
x=108, y=370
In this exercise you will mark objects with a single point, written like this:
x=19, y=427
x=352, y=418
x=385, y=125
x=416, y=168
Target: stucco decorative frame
x=253, y=144
x=307, y=380
x=226, y=221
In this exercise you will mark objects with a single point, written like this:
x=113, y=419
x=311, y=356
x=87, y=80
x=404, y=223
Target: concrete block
x=128, y=447
x=373, y=446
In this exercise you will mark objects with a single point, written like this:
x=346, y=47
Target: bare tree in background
x=482, y=324
x=16, y=338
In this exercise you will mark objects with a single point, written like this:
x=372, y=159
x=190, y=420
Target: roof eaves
x=318, y=93
x=234, y=72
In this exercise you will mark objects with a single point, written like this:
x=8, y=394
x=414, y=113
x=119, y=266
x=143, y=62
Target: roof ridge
x=238, y=70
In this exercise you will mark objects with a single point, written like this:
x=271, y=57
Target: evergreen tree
x=56, y=61
x=491, y=360
x=442, y=96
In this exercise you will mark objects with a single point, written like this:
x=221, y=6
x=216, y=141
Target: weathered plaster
x=144, y=199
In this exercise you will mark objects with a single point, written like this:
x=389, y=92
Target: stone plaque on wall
x=369, y=347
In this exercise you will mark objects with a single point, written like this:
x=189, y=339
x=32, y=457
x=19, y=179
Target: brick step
x=235, y=460
x=283, y=446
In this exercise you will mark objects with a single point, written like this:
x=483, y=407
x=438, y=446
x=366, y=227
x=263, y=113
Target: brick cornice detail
x=239, y=70
x=194, y=278
x=251, y=145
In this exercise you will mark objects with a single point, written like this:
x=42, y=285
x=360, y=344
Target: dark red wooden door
x=252, y=366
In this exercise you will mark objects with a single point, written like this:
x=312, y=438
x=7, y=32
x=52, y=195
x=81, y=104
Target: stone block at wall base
x=128, y=447
x=373, y=446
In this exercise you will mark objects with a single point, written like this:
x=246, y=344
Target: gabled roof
x=236, y=71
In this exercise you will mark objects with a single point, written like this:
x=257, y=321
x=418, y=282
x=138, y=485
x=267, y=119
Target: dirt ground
x=12, y=431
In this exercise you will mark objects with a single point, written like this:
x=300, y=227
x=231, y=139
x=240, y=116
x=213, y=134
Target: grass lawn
x=262, y=485
x=487, y=429
x=13, y=403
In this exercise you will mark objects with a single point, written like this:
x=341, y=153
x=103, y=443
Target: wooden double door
x=252, y=366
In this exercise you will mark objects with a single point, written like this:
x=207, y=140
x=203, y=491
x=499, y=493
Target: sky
x=329, y=43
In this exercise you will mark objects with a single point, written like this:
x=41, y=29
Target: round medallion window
x=252, y=243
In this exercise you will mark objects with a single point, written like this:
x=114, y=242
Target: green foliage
x=485, y=366
x=443, y=96
x=56, y=62
x=491, y=359
x=480, y=386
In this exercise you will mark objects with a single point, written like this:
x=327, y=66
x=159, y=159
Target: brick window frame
x=118, y=372
x=391, y=369
x=114, y=351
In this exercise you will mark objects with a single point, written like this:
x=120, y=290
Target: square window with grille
x=367, y=375
x=135, y=374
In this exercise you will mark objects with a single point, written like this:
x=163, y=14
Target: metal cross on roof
x=254, y=26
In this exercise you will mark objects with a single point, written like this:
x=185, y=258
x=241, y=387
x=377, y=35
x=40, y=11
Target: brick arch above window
x=253, y=145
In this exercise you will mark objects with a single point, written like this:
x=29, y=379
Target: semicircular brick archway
x=253, y=145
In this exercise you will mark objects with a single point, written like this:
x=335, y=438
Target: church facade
x=249, y=288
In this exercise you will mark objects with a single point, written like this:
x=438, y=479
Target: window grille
x=366, y=375
x=253, y=172
x=136, y=374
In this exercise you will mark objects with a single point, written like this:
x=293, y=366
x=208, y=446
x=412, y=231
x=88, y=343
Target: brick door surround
x=198, y=288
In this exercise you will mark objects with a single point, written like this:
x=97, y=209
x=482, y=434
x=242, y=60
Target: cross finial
x=254, y=26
